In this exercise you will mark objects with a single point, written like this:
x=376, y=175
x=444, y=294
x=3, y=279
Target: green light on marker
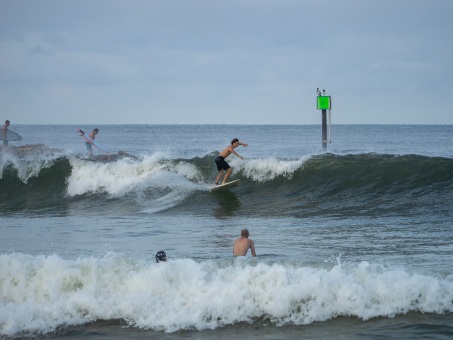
x=324, y=103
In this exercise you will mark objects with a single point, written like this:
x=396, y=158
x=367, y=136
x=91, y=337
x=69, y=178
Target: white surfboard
x=226, y=185
x=89, y=140
x=11, y=136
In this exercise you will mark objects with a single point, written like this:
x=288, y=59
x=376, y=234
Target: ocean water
x=353, y=242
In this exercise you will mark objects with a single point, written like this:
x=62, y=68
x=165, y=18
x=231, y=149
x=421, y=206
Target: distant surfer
x=161, y=256
x=222, y=166
x=242, y=244
x=4, y=131
x=89, y=145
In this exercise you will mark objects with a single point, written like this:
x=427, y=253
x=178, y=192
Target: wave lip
x=39, y=294
x=371, y=184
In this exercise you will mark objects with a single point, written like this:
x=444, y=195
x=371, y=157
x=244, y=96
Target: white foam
x=126, y=176
x=29, y=166
x=262, y=170
x=41, y=293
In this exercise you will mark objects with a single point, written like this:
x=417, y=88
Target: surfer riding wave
x=223, y=167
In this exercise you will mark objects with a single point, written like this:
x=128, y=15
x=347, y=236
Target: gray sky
x=225, y=62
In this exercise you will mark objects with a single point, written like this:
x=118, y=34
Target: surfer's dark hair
x=234, y=141
x=244, y=232
x=6, y=121
x=161, y=256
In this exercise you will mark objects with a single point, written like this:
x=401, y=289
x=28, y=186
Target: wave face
x=39, y=294
x=338, y=185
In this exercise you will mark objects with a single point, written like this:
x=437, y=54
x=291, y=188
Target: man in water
x=90, y=145
x=242, y=244
x=4, y=130
x=222, y=166
x=161, y=256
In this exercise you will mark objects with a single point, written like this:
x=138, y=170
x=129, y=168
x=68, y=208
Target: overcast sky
x=225, y=62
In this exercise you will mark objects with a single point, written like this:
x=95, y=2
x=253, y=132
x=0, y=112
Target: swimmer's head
x=245, y=232
x=161, y=256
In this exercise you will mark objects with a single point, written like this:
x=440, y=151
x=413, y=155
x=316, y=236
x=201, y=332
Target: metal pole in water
x=324, y=104
x=324, y=129
x=329, y=124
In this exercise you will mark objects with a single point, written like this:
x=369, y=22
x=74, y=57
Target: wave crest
x=316, y=184
x=263, y=170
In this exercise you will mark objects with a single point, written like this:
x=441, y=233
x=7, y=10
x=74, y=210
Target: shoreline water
x=410, y=326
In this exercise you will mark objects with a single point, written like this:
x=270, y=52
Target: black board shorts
x=221, y=163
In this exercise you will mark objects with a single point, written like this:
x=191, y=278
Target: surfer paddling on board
x=4, y=130
x=222, y=166
x=243, y=243
x=90, y=145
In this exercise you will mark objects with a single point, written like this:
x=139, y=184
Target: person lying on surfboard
x=90, y=145
x=222, y=166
